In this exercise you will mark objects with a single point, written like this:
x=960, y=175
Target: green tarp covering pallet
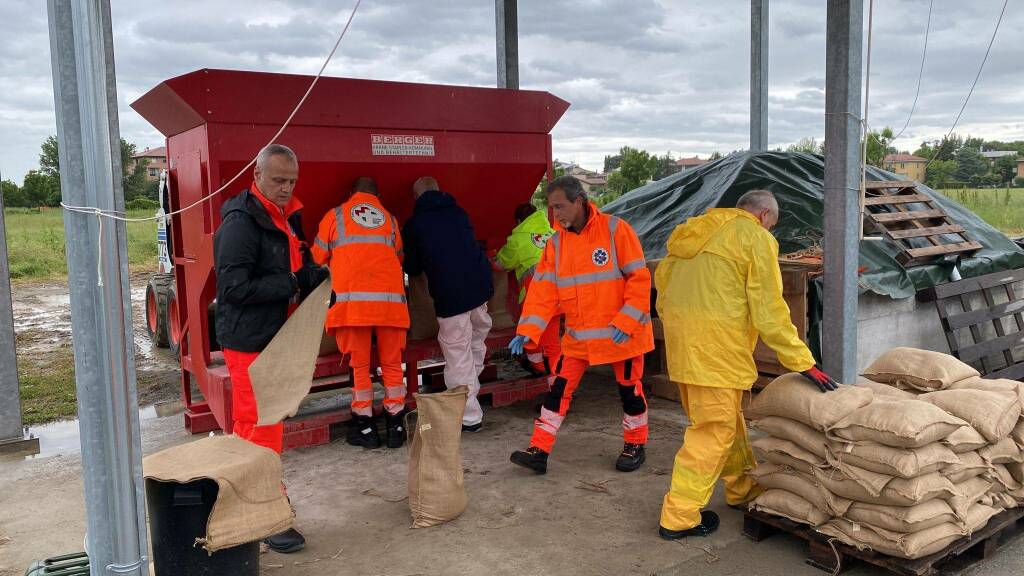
x=797, y=179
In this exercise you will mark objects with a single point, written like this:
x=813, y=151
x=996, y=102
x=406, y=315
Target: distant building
x=588, y=178
x=907, y=165
x=689, y=163
x=1020, y=167
x=992, y=155
x=157, y=161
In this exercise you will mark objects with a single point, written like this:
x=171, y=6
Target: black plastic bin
x=177, y=516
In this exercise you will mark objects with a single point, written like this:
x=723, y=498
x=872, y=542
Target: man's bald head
x=424, y=184
x=763, y=205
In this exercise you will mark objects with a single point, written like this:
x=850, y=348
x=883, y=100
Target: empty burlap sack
x=898, y=492
x=789, y=505
x=913, y=545
x=901, y=462
x=969, y=493
x=903, y=519
x=800, y=434
x=250, y=503
x=920, y=369
x=1005, y=451
x=793, y=396
x=897, y=423
x=786, y=453
x=436, y=492
x=970, y=466
x=885, y=390
x=965, y=439
x=993, y=414
x=775, y=477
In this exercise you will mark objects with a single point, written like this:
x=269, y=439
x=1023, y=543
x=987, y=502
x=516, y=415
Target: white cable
x=115, y=215
x=920, y=72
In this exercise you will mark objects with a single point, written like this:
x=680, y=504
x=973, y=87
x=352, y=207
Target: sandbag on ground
x=793, y=396
x=897, y=423
x=789, y=505
x=436, y=491
x=800, y=434
x=993, y=414
x=919, y=369
x=901, y=462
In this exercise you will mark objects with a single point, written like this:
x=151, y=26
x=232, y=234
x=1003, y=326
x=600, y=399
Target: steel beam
x=82, y=53
x=507, y=41
x=758, y=75
x=843, y=69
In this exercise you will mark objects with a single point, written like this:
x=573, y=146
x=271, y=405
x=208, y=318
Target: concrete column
x=758, y=75
x=507, y=41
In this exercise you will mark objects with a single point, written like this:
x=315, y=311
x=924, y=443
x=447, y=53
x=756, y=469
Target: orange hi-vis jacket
x=362, y=243
x=598, y=278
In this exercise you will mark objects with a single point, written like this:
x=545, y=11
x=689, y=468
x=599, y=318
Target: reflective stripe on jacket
x=598, y=278
x=524, y=246
x=360, y=241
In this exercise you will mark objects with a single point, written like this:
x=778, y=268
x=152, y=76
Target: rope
x=920, y=73
x=116, y=215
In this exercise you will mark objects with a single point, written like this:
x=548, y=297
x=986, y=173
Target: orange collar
x=294, y=205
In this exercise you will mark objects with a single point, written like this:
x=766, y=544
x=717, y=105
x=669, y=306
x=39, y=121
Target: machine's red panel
x=488, y=147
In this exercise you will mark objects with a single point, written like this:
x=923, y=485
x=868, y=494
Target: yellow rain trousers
x=715, y=447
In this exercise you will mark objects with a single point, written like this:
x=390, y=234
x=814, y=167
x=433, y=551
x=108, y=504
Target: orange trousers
x=355, y=341
x=243, y=404
x=549, y=349
x=568, y=373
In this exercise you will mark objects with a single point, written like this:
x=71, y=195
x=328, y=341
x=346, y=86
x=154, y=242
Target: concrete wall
x=884, y=323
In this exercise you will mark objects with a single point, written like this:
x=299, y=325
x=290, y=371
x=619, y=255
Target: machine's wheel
x=156, y=308
x=174, y=333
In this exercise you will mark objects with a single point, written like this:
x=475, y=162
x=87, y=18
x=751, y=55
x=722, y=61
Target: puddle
x=61, y=438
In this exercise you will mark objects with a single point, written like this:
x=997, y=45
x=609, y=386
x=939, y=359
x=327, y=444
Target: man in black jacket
x=263, y=268
x=439, y=241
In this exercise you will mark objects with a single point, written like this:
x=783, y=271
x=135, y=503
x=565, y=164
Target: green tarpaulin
x=797, y=180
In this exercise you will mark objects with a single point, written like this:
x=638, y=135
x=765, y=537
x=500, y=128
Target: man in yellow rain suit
x=719, y=288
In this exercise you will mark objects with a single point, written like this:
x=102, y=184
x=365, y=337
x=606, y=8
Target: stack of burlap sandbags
x=920, y=455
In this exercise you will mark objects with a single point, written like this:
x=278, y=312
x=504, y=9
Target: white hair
x=263, y=158
x=757, y=200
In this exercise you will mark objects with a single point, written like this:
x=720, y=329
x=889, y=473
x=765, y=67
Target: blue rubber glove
x=517, y=344
x=618, y=336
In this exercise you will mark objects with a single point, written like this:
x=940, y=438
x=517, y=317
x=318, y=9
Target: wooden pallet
x=955, y=558
x=911, y=220
x=983, y=318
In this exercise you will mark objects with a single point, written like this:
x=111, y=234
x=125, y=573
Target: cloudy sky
x=663, y=75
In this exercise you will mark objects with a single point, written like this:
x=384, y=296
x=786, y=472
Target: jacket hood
x=434, y=199
x=536, y=223
x=690, y=238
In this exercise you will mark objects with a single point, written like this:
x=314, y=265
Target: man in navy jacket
x=440, y=242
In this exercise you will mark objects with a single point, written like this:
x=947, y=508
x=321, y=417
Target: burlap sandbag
x=1016, y=471
x=789, y=505
x=1000, y=475
x=993, y=414
x=920, y=369
x=1005, y=451
x=1018, y=433
x=903, y=519
x=970, y=466
x=901, y=462
x=800, y=434
x=992, y=385
x=898, y=492
x=897, y=423
x=793, y=396
x=1002, y=500
x=913, y=545
x=786, y=453
x=885, y=390
x=436, y=492
x=423, y=317
x=873, y=482
x=969, y=493
x=965, y=439
x=775, y=477
x=250, y=503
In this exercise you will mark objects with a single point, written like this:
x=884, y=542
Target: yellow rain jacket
x=719, y=288
x=524, y=246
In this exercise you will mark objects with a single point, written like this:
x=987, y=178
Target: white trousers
x=462, y=339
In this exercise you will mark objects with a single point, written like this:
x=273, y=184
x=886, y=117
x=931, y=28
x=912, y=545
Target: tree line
x=42, y=187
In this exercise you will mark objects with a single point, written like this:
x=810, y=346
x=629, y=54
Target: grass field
x=35, y=242
x=1000, y=207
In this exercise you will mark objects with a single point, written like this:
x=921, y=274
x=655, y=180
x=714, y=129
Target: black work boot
x=708, y=525
x=631, y=458
x=533, y=458
x=286, y=542
x=395, y=429
x=362, y=431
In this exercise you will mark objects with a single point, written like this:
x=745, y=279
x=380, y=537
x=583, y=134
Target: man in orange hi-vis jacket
x=362, y=243
x=592, y=270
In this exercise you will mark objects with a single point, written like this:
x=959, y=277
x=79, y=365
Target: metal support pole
x=507, y=40
x=82, y=53
x=843, y=68
x=12, y=437
x=758, y=75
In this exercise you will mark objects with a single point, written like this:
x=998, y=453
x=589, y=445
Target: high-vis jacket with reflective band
x=361, y=241
x=598, y=278
x=524, y=246
x=719, y=288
